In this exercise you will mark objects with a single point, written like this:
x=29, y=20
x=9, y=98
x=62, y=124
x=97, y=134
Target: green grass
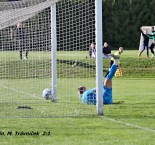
x=129, y=121
x=39, y=65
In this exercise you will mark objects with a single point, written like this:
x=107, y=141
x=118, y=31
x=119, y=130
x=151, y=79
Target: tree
x=123, y=18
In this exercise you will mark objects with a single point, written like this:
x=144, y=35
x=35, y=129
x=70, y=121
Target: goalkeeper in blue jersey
x=89, y=96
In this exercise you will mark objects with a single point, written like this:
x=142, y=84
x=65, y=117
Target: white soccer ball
x=47, y=94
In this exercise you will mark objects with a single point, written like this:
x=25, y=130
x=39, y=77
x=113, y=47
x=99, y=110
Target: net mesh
x=25, y=57
x=20, y=11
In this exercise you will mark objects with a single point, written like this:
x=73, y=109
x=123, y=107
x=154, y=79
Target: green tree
x=123, y=18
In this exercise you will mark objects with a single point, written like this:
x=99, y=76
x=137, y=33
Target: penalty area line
x=128, y=124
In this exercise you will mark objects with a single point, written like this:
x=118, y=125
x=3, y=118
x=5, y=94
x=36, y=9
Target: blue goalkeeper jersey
x=89, y=96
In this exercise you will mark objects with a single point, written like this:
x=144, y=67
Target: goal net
x=26, y=63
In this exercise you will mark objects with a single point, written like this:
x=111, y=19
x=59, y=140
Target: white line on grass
x=14, y=90
x=131, y=94
x=128, y=124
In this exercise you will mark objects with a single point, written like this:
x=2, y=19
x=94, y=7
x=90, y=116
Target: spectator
x=106, y=49
x=92, y=51
x=21, y=38
x=145, y=43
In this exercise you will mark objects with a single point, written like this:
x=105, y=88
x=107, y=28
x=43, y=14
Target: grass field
x=130, y=120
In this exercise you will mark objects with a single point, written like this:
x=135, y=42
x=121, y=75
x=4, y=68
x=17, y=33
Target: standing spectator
x=145, y=43
x=91, y=50
x=21, y=40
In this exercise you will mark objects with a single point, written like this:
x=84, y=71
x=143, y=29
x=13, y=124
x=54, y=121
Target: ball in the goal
x=47, y=94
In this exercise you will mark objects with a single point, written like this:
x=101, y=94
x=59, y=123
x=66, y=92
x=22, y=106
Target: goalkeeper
x=89, y=96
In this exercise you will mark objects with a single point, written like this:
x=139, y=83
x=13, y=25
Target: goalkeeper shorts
x=107, y=95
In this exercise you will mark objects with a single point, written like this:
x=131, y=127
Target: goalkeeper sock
x=112, y=71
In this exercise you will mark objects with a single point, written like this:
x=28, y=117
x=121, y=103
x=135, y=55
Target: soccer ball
x=47, y=94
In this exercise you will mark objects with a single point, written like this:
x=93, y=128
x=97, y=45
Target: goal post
x=53, y=52
x=99, y=66
x=44, y=44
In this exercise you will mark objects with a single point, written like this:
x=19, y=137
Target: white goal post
x=44, y=44
x=99, y=65
x=53, y=52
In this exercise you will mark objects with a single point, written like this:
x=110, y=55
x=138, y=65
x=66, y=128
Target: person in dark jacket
x=106, y=49
x=21, y=40
x=145, y=43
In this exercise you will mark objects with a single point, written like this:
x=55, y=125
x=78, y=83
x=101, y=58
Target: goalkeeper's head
x=81, y=90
